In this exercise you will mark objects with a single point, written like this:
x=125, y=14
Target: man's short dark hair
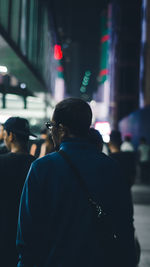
x=75, y=114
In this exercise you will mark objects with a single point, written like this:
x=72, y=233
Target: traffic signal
x=58, y=54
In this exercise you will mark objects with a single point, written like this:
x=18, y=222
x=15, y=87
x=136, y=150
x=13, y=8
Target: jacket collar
x=77, y=143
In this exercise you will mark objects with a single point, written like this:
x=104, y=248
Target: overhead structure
x=27, y=39
x=31, y=78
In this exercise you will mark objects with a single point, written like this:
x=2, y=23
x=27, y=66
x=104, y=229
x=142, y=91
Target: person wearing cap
x=14, y=166
x=58, y=225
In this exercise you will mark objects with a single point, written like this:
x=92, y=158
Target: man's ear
x=11, y=136
x=63, y=131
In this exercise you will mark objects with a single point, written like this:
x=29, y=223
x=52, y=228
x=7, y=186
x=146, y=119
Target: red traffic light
x=58, y=52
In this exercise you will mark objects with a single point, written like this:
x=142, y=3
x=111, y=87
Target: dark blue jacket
x=54, y=226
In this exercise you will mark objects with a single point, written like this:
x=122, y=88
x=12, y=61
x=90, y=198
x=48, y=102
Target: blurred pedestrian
x=126, y=145
x=144, y=160
x=115, y=141
x=3, y=148
x=66, y=194
x=14, y=167
x=35, y=147
x=47, y=147
x=126, y=159
x=127, y=162
x=96, y=138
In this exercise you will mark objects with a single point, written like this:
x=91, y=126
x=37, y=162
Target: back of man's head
x=115, y=138
x=75, y=114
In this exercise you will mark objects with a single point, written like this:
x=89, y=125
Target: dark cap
x=19, y=126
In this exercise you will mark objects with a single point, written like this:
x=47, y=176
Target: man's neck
x=18, y=149
x=114, y=149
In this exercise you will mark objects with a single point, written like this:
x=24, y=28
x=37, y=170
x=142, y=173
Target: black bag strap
x=98, y=210
x=80, y=180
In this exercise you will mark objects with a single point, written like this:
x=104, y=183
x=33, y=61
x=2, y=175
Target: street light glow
x=23, y=85
x=3, y=69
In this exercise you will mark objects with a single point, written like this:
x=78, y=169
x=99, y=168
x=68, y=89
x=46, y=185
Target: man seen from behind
x=57, y=227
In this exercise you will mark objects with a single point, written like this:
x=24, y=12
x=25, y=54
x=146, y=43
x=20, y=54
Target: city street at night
x=74, y=131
